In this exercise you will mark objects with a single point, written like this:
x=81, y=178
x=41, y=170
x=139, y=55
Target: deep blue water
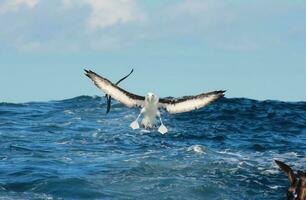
x=71, y=149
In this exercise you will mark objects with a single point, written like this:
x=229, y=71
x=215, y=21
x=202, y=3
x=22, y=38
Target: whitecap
x=275, y=187
x=270, y=172
x=129, y=116
x=68, y=112
x=67, y=158
x=63, y=142
x=227, y=152
x=2, y=188
x=65, y=124
x=145, y=131
x=292, y=154
x=197, y=149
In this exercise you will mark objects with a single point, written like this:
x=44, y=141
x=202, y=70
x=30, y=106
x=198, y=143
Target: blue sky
x=254, y=49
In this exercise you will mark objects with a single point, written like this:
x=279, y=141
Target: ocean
x=71, y=149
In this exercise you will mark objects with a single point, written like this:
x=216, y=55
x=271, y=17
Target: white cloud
x=14, y=5
x=74, y=25
x=202, y=12
x=67, y=3
x=68, y=24
x=192, y=7
x=27, y=46
x=106, y=13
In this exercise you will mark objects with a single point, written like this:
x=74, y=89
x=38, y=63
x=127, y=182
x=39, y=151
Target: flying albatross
x=150, y=104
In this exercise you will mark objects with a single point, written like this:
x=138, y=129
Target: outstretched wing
x=114, y=91
x=286, y=169
x=189, y=103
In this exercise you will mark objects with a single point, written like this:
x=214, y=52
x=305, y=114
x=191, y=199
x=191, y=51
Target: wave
x=72, y=149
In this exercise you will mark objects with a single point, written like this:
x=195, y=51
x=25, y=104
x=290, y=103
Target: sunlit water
x=71, y=149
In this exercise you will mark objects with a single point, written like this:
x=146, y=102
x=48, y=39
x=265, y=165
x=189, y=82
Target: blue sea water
x=71, y=149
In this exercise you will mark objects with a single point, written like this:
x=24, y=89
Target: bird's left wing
x=287, y=169
x=190, y=103
x=121, y=95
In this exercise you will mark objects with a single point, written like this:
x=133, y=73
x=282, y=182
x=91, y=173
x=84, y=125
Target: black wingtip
x=88, y=72
x=279, y=163
x=283, y=166
x=220, y=93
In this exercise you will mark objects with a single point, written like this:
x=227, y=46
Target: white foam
x=145, y=131
x=64, y=142
x=197, y=149
x=68, y=112
x=275, y=187
x=129, y=116
x=270, y=172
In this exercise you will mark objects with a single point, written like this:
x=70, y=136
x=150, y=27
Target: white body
x=150, y=111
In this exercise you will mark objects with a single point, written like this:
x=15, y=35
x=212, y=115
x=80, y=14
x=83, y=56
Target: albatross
x=151, y=104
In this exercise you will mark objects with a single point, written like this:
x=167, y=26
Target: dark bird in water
x=151, y=103
x=109, y=98
x=297, y=188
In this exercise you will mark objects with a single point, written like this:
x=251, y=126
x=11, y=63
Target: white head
x=152, y=98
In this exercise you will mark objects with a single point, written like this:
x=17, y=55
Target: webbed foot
x=162, y=129
x=134, y=125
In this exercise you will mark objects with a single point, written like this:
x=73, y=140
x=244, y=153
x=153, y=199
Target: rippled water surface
x=71, y=149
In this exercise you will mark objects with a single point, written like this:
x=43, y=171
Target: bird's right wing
x=286, y=169
x=114, y=91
